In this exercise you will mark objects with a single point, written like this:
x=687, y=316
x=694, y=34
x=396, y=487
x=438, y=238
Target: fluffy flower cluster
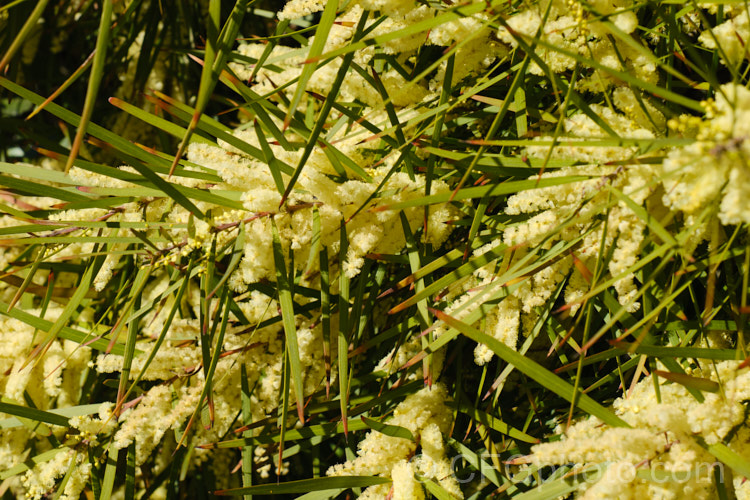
x=352, y=202
x=476, y=50
x=51, y=381
x=588, y=29
x=728, y=37
x=427, y=417
x=660, y=457
x=714, y=169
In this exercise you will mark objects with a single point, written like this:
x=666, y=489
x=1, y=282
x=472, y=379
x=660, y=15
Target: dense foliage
x=374, y=248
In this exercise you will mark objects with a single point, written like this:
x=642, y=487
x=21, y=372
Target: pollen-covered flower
x=714, y=169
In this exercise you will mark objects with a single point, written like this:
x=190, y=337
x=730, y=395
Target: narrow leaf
x=287, y=313
x=535, y=371
x=306, y=485
x=389, y=430
x=95, y=78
